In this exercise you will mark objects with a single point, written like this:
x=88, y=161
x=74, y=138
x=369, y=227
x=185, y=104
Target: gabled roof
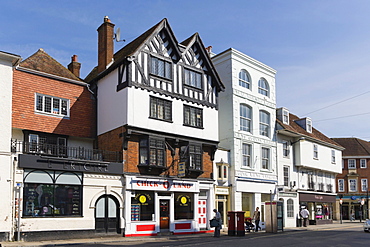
x=43, y=62
x=294, y=128
x=138, y=44
x=354, y=146
x=195, y=39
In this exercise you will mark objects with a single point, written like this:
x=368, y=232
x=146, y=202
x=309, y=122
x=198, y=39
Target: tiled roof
x=43, y=62
x=354, y=146
x=296, y=128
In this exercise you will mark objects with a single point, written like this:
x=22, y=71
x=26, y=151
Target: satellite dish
x=117, y=35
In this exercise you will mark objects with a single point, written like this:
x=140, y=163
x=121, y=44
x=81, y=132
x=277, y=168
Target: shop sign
x=181, y=172
x=222, y=191
x=162, y=185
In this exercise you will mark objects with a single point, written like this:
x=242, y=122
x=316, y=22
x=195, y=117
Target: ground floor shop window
x=184, y=206
x=52, y=193
x=320, y=210
x=142, y=206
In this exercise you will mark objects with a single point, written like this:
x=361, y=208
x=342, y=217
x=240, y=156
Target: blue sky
x=320, y=48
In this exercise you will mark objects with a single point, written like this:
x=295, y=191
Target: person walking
x=218, y=218
x=305, y=214
x=257, y=217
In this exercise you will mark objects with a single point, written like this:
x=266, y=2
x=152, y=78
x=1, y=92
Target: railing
x=321, y=186
x=61, y=151
x=329, y=188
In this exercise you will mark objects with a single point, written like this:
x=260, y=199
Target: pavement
x=224, y=232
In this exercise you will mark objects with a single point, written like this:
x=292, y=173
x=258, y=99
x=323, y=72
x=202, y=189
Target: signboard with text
x=134, y=183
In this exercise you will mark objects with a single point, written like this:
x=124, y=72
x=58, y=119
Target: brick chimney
x=105, y=44
x=74, y=66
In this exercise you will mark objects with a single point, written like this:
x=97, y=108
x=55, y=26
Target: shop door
x=107, y=215
x=164, y=214
x=202, y=213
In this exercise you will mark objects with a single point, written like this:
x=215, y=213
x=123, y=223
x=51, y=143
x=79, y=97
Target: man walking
x=305, y=214
x=217, y=217
x=257, y=217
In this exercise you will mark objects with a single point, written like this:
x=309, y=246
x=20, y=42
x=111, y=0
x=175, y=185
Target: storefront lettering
x=163, y=184
x=319, y=197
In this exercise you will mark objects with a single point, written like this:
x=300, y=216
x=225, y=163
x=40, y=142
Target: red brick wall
x=81, y=122
x=363, y=173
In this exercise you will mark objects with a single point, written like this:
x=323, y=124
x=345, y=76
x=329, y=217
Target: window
x=161, y=68
x=342, y=164
x=246, y=154
x=152, y=152
x=42, y=143
x=352, y=185
x=315, y=151
x=195, y=157
x=265, y=158
x=52, y=194
x=160, y=109
x=244, y=79
x=285, y=149
x=222, y=170
x=263, y=87
x=52, y=105
x=245, y=117
x=286, y=175
x=264, y=123
x=340, y=185
x=363, y=163
x=142, y=206
x=193, y=116
x=351, y=164
x=285, y=117
x=193, y=78
x=333, y=156
x=290, y=208
x=364, y=184
x=184, y=206
x=308, y=125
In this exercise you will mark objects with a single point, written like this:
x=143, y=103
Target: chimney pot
x=74, y=66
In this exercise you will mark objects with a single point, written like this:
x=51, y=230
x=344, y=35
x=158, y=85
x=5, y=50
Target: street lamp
x=340, y=202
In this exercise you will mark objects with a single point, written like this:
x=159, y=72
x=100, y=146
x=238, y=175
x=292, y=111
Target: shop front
x=158, y=205
x=320, y=207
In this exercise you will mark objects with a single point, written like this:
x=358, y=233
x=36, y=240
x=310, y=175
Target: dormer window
x=285, y=116
x=308, y=125
x=193, y=79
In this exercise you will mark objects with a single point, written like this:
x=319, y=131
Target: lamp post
x=340, y=202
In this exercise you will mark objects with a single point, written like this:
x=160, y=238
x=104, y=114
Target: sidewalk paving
x=97, y=240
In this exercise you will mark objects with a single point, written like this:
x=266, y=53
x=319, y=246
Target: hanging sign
x=181, y=172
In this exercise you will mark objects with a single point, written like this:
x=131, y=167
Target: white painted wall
x=6, y=82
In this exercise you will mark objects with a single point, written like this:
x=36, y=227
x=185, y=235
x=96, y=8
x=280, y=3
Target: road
x=346, y=235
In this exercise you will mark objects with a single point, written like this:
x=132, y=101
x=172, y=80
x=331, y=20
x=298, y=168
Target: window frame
x=353, y=166
x=195, y=154
x=52, y=110
x=363, y=163
x=191, y=75
x=286, y=173
x=263, y=87
x=333, y=156
x=246, y=156
x=285, y=116
x=340, y=185
x=364, y=184
x=315, y=151
x=155, y=66
x=286, y=149
x=190, y=116
x=265, y=160
x=245, y=121
x=352, y=185
x=155, y=110
x=245, y=82
x=290, y=208
x=149, y=146
x=264, y=126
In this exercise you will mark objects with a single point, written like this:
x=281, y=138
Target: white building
x=308, y=163
x=7, y=63
x=246, y=127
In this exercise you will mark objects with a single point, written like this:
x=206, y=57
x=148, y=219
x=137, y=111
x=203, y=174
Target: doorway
x=107, y=215
x=164, y=214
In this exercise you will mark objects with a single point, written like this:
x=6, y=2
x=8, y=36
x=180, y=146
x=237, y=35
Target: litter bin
x=231, y=223
x=240, y=227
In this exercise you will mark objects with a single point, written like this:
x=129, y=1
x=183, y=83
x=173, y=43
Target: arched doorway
x=107, y=215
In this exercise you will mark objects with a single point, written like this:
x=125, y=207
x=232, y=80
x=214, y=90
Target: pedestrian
x=217, y=217
x=304, y=215
x=257, y=217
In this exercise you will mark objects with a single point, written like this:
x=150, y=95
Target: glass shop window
x=142, y=206
x=184, y=206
